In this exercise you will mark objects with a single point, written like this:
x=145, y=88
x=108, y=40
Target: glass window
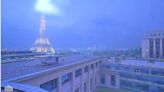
x=126, y=75
x=113, y=80
x=125, y=83
x=102, y=78
x=86, y=69
x=116, y=67
x=77, y=90
x=158, y=80
x=85, y=87
x=50, y=85
x=92, y=66
x=77, y=72
x=156, y=89
x=66, y=78
x=142, y=77
x=140, y=86
x=157, y=72
x=96, y=64
x=137, y=71
x=144, y=70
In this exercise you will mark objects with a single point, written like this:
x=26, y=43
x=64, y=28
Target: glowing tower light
x=42, y=44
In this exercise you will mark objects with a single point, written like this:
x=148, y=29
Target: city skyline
x=81, y=24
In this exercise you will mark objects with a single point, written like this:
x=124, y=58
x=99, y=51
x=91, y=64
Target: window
x=50, y=85
x=126, y=75
x=66, y=78
x=116, y=67
x=102, y=78
x=137, y=71
x=157, y=72
x=151, y=46
x=113, y=80
x=96, y=64
x=144, y=70
x=127, y=84
x=86, y=69
x=157, y=47
x=77, y=72
x=85, y=87
x=99, y=62
x=92, y=66
x=141, y=86
x=77, y=90
x=91, y=84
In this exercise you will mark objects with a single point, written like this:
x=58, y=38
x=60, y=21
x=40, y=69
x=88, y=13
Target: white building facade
x=153, y=45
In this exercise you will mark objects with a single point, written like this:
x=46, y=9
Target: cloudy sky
x=81, y=23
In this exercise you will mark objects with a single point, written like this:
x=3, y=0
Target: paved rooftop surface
x=17, y=69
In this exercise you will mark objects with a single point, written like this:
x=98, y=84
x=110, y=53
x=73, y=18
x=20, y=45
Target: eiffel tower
x=42, y=44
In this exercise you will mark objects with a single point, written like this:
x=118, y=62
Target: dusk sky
x=81, y=23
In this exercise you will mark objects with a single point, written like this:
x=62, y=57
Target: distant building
x=153, y=45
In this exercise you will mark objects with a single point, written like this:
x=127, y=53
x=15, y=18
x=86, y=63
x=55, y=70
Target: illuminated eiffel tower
x=42, y=45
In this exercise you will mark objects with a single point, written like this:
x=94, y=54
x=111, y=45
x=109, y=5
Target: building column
x=59, y=84
x=94, y=77
x=82, y=80
x=88, y=89
x=107, y=80
x=117, y=81
x=161, y=50
x=73, y=81
x=154, y=49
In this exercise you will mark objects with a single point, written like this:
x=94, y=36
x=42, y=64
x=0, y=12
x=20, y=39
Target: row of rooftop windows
x=137, y=85
x=67, y=77
x=140, y=86
x=138, y=70
x=103, y=79
x=146, y=78
x=52, y=85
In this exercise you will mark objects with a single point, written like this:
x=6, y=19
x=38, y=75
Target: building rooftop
x=15, y=70
x=155, y=34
